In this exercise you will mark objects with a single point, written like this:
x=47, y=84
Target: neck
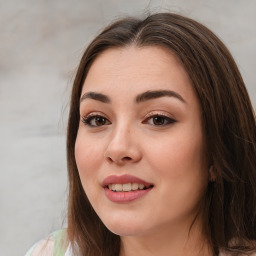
x=177, y=242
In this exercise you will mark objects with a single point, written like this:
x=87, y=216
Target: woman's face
x=140, y=149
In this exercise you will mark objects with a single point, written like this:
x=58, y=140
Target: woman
x=161, y=146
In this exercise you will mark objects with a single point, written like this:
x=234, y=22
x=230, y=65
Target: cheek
x=88, y=160
x=182, y=177
x=88, y=157
x=176, y=154
x=181, y=165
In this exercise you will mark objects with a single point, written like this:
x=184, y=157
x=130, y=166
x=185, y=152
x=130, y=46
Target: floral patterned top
x=55, y=245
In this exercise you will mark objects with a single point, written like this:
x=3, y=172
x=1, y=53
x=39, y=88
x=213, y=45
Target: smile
x=127, y=187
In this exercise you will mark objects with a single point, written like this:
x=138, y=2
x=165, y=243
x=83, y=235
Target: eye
x=159, y=120
x=95, y=120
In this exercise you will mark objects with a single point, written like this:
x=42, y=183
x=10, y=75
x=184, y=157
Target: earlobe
x=212, y=174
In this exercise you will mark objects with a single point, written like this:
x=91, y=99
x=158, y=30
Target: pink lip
x=124, y=197
x=123, y=179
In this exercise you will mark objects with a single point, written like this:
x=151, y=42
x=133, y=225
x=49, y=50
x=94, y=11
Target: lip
x=123, y=179
x=125, y=197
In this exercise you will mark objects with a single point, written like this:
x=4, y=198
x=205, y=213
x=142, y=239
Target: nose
x=123, y=147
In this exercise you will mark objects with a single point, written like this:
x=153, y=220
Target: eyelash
x=88, y=119
x=167, y=120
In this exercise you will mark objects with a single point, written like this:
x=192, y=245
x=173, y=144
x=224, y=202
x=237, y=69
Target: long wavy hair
x=229, y=205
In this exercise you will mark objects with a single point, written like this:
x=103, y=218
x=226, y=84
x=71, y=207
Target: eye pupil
x=158, y=120
x=100, y=120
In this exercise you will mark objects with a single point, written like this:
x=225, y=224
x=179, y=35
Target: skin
x=170, y=155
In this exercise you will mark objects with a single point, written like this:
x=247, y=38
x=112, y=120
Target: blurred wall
x=41, y=43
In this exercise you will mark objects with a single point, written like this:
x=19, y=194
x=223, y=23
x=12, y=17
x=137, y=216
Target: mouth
x=127, y=187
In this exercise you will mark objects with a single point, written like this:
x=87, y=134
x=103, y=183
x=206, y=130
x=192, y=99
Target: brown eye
x=160, y=120
x=95, y=121
x=99, y=120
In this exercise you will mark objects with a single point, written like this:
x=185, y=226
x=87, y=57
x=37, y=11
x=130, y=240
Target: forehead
x=133, y=60
x=137, y=69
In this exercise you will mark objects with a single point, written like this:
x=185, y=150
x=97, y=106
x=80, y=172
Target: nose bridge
x=122, y=146
x=121, y=137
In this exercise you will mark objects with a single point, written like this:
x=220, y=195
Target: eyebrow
x=150, y=95
x=145, y=96
x=96, y=96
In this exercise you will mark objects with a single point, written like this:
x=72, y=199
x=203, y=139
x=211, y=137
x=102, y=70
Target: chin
x=123, y=228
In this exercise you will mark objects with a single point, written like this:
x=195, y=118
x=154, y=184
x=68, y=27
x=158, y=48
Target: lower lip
x=125, y=197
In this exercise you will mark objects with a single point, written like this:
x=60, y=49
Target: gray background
x=41, y=42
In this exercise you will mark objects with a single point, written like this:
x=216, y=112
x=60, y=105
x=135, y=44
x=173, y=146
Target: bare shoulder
x=42, y=248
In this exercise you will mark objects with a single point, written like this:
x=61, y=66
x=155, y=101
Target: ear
x=212, y=174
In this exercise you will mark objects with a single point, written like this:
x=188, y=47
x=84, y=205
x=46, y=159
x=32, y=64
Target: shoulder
x=43, y=247
x=55, y=244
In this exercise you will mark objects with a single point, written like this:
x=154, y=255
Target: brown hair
x=228, y=122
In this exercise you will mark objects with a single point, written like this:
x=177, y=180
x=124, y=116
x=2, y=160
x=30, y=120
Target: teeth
x=118, y=187
x=135, y=186
x=125, y=187
x=141, y=186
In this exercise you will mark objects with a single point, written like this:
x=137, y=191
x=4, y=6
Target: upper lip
x=123, y=179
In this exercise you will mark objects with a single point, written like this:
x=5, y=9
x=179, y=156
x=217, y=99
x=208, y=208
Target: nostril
x=127, y=158
x=110, y=159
